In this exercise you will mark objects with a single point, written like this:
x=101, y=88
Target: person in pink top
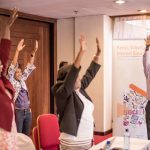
x=146, y=65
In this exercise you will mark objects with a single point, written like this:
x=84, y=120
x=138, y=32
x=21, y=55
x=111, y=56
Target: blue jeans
x=23, y=120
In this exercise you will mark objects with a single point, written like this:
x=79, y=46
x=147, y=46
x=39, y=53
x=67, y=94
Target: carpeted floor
x=98, y=138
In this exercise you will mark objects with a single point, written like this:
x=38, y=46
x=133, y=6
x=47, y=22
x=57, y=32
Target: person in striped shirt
x=146, y=65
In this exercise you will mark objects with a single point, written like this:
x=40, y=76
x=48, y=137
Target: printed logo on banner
x=134, y=102
x=134, y=108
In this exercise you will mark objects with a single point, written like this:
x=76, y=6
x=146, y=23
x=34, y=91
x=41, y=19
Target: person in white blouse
x=74, y=106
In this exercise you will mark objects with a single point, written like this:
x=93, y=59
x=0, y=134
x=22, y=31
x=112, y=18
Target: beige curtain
x=132, y=27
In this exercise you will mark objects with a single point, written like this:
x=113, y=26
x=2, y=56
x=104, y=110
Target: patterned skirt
x=8, y=140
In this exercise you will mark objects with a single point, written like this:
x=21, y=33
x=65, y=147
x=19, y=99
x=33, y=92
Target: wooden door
x=38, y=82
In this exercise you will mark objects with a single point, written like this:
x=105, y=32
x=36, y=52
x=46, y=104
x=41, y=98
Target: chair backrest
x=48, y=130
x=35, y=138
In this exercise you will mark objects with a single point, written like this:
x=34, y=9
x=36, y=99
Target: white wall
x=100, y=89
x=101, y=27
x=65, y=40
x=92, y=27
x=107, y=40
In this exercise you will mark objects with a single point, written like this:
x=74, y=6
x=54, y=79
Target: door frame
x=53, y=45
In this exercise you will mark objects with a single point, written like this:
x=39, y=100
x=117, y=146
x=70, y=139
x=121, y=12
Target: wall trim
x=22, y=15
x=103, y=133
x=146, y=14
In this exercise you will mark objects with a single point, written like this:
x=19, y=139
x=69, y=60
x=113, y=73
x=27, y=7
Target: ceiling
x=65, y=8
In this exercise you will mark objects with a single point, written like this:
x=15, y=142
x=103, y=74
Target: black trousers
x=147, y=109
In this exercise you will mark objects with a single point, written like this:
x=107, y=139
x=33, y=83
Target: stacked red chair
x=48, y=132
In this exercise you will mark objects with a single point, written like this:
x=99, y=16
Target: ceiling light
x=120, y=1
x=143, y=11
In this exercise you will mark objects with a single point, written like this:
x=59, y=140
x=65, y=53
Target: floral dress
x=8, y=140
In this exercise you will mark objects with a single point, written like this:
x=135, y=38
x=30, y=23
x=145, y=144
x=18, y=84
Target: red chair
x=35, y=138
x=48, y=130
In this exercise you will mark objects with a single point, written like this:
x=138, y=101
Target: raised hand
x=147, y=41
x=98, y=47
x=21, y=45
x=98, y=51
x=77, y=61
x=36, y=46
x=13, y=17
x=82, y=42
x=34, y=51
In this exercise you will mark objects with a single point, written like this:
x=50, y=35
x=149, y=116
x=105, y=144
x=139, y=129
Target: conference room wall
x=100, y=89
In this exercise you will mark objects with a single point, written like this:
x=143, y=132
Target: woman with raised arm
x=74, y=106
x=18, y=78
x=8, y=133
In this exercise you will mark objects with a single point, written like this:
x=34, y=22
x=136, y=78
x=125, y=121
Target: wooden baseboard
x=103, y=133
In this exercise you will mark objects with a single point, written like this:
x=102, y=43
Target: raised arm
x=20, y=47
x=98, y=52
x=78, y=59
x=92, y=69
x=73, y=74
x=14, y=65
x=5, y=42
x=68, y=86
x=32, y=56
x=11, y=20
x=146, y=58
x=30, y=66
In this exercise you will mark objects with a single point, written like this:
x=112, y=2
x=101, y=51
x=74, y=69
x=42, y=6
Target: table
x=135, y=144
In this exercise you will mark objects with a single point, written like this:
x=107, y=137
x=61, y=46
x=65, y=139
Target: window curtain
x=131, y=27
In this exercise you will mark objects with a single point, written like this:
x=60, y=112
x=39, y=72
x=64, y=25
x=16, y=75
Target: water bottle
x=126, y=140
x=108, y=145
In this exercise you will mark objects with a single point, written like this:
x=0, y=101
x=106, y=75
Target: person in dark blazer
x=74, y=106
